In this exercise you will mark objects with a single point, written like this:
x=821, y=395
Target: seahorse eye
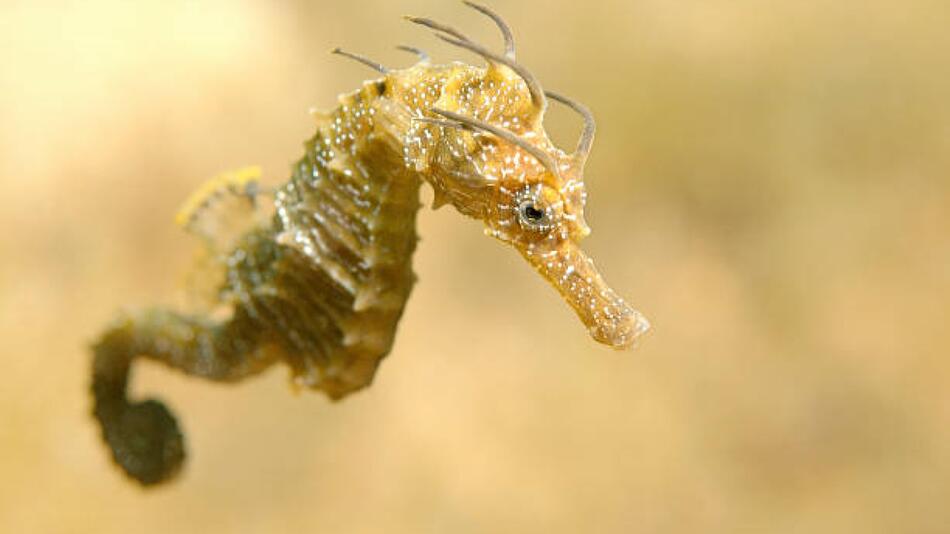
x=533, y=215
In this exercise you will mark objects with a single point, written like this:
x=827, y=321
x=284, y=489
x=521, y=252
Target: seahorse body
x=321, y=284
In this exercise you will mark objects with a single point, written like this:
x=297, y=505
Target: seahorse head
x=478, y=138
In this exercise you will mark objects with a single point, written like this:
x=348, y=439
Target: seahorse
x=319, y=281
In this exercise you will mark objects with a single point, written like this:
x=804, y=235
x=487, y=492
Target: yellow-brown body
x=321, y=281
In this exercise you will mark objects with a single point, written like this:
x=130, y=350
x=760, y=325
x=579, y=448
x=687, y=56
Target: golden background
x=770, y=186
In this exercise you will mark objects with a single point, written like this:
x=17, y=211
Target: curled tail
x=144, y=436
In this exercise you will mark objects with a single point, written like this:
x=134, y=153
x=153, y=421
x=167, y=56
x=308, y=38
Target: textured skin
x=321, y=283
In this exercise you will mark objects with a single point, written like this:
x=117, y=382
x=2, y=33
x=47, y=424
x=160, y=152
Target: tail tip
x=147, y=443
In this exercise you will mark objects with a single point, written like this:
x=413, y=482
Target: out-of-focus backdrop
x=770, y=186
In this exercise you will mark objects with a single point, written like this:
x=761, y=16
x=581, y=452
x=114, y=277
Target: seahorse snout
x=622, y=329
x=608, y=319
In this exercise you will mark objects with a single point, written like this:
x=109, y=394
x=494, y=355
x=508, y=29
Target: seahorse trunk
x=144, y=436
x=348, y=217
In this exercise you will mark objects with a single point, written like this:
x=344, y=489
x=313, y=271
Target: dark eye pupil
x=532, y=213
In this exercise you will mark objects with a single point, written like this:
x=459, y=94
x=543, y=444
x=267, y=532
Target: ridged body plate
x=331, y=273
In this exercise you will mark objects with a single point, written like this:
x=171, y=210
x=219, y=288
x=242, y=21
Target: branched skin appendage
x=320, y=280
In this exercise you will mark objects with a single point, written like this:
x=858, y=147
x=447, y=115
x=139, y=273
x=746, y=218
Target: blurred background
x=770, y=186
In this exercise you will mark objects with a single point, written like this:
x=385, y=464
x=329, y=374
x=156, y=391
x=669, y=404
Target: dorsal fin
x=219, y=212
x=223, y=208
